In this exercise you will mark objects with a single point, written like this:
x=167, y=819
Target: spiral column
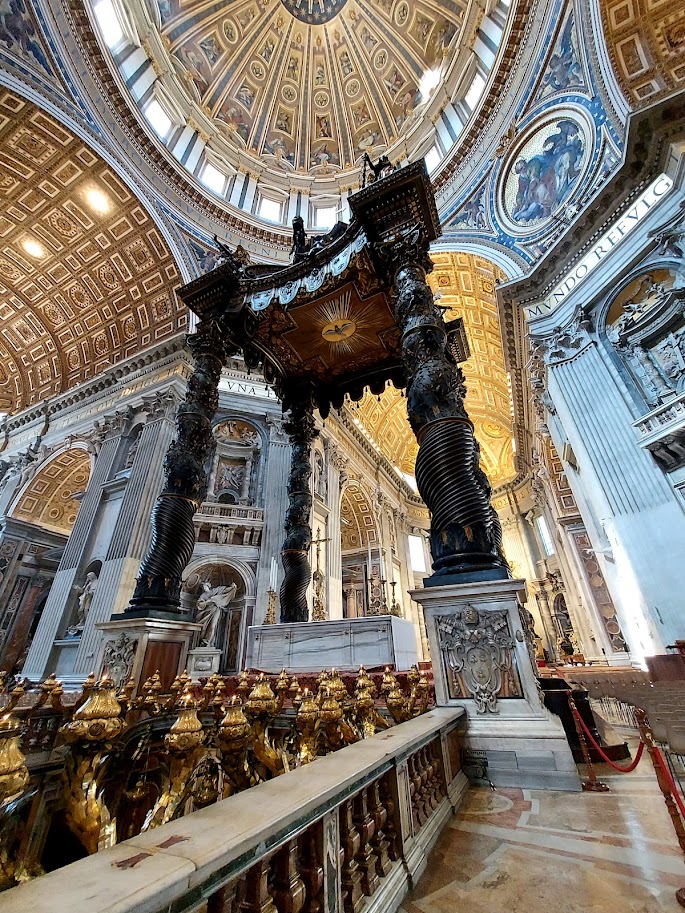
x=298, y=532
x=466, y=537
x=158, y=588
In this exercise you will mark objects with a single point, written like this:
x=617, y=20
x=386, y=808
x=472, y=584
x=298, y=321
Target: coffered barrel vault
x=85, y=276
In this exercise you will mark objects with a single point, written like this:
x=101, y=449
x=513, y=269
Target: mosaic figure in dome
x=211, y=49
x=563, y=71
x=472, y=213
x=546, y=178
x=18, y=33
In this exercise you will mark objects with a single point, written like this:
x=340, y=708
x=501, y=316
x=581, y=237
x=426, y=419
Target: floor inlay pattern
x=524, y=851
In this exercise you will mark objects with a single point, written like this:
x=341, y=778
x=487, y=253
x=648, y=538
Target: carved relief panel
x=477, y=651
x=236, y=462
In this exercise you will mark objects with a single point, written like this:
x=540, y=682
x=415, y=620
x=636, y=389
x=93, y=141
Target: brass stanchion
x=592, y=784
x=647, y=737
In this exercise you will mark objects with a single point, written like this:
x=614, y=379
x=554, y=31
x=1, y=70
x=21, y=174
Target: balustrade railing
x=117, y=764
x=348, y=833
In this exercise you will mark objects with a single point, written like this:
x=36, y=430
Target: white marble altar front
x=345, y=643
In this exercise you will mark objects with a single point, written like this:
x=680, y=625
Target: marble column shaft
x=129, y=539
x=52, y=618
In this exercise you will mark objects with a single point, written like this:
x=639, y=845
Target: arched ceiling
x=357, y=522
x=310, y=83
x=48, y=500
x=467, y=286
x=85, y=276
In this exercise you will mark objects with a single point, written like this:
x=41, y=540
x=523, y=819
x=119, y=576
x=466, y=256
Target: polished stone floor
x=529, y=851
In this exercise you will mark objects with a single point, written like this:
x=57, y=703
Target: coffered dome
x=310, y=84
x=292, y=93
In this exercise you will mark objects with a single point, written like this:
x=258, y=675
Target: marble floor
x=529, y=851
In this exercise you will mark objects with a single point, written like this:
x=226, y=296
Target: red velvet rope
x=671, y=783
x=621, y=770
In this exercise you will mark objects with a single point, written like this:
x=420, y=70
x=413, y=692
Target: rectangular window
x=417, y=554
x=270, y=209
x=213, y=179
x=158, y=119
x=432, y=159
x=474, y=93
x=109, y=23
x=325, y=216
x=545, y=537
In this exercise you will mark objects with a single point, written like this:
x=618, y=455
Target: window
x=109, y=23
x=417, y=555
x=158, y=119
x=213, y=179
x=270, y=209
x=432, y=159
x=545, y=537
x=325, y=216
x=428, y=82
x=475, y=92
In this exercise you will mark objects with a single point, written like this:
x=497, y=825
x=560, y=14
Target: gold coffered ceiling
x=85, y=277
x=467, y=287
x=48, y=500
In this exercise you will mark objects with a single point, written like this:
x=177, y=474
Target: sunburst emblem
x=340, y=328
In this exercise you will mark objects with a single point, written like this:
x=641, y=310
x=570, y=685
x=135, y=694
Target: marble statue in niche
x=211, y=604
x=477, y=652
x=320, y=481
x=85, y=599
x=649, y=336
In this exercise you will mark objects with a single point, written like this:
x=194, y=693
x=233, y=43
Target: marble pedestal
x=482, y=662
x=202, y=662
x=345, y=643
x=138, y=647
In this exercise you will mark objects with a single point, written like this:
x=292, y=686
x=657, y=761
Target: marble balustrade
x=348, y=833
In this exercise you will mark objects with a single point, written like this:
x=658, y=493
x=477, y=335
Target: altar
x=345, y=643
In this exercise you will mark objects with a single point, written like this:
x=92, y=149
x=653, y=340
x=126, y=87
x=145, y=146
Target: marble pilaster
x=634, y=521
x=130, y=535
x=276, y=475
x=335, y=596
x=37, y=664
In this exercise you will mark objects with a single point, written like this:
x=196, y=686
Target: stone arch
x=643, y=332
x=47, y=498
x=360, y=535
x=232, y=629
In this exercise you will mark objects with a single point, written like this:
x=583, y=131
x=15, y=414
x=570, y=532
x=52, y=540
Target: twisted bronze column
x=298, y=533
x=466, y=537
x=158, y=588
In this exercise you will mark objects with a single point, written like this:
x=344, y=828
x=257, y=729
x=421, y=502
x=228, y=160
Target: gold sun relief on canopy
x=467, y=285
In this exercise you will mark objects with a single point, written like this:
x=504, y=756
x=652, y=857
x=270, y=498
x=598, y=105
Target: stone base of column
x=202, y=662
x=482, y=661
x=346, y=643
x=136, y=648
